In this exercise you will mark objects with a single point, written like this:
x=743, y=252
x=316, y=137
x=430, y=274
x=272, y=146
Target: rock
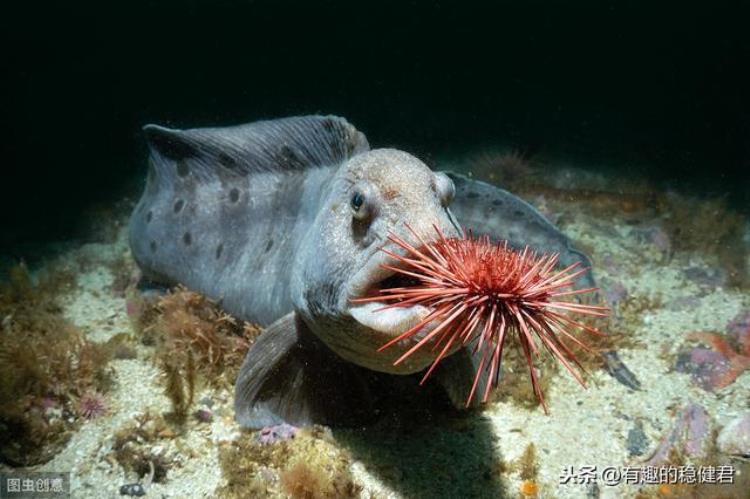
x=637, y=441
x=734, y=438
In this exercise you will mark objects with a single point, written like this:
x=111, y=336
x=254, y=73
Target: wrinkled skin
x=397, y=190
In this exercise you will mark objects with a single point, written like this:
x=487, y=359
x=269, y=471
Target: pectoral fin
x=290, y=376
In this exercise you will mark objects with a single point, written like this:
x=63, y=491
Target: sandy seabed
x=605, y=425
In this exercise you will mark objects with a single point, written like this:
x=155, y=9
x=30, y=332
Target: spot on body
x=287, y=156
x=219, y=250
x=227, y=161
x=390, y=194
x=269, y=246
x=149, y=216
x=152, y=245
x=234, y=195
x=179, y=205
x=187, y=238
x=182, y=168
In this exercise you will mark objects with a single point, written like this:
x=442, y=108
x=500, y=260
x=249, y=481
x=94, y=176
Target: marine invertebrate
x=92, y=405
x=483, y=293
x=204, y=415
x=512, y=168
x=293, y=269
x=272, y=434
x=46, y=366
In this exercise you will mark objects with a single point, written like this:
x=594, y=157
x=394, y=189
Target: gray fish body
x=487, y=209
x=209, y=245
x=282, y=222
x=230, y=230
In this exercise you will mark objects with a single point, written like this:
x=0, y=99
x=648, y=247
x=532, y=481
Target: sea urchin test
x=482, y=294
x=282, y=222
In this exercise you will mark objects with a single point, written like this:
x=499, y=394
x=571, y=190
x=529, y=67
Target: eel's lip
x=391, y=321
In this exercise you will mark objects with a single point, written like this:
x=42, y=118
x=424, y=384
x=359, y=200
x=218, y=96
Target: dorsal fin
x=276, y=145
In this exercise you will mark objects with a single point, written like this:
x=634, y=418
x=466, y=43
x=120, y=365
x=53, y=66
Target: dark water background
x=659, y=87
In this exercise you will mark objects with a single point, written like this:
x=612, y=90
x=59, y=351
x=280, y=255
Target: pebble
x=637, y=440
x=734, y=438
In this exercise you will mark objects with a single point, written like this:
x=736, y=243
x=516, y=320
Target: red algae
x=719, y=367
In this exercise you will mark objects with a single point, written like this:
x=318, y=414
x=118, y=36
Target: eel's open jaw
x=367, y=283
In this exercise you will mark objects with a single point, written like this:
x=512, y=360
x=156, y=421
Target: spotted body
x=282, y=222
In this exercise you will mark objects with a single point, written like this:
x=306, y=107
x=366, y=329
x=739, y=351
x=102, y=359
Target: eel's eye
x=363, y=202
x=358, y=199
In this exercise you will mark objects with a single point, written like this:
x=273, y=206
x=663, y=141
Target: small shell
x=734, y=438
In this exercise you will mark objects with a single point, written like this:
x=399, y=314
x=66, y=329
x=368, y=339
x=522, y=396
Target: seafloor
x=672, y=265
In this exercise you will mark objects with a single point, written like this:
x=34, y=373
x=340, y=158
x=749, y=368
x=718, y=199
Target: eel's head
x=374, y=194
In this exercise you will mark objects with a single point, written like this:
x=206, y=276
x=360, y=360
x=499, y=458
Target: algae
x=137, y=448
x=195, y=342
x=308, y=466
x=47, y=368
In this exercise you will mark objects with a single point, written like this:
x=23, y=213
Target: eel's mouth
x=368, y=283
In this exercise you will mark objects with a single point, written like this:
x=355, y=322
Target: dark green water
x=662, y=89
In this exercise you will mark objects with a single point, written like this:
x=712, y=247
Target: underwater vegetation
x=139, y=447
x=51, y=376
x=197, y=349
x=305, y=465
x=194, y=341
x=148, y=447
x=528, y=470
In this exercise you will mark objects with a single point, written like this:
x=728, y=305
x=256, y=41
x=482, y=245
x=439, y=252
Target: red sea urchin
x=483, y=293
